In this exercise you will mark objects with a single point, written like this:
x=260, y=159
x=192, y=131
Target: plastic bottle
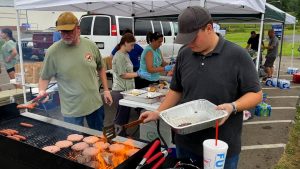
x=12, y=99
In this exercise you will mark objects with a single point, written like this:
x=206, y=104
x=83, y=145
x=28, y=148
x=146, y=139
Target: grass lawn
x=241, y=39
x=291, y=157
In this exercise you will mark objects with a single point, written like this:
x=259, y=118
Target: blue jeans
x=94, y=120
x=230, y=163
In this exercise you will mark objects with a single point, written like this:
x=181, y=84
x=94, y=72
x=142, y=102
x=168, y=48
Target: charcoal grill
x=29, y=155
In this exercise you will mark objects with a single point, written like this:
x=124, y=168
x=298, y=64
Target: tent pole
x=280, y=53
x=260, y=40
x=21, y=56
x=293, y=45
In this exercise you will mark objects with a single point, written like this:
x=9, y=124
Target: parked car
x=41, y=42
x=27, y=46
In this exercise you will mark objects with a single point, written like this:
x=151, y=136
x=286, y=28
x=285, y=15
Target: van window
x=167, y=28
x=175, y=24
x=157, y=27
x=142, y=27
x=124, y=23
x=85, y=25
x=102, y=26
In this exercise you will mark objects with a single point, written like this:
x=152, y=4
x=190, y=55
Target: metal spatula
x=111, y=131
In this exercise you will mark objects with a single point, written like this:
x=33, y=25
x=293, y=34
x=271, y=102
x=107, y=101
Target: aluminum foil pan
x=192, y=116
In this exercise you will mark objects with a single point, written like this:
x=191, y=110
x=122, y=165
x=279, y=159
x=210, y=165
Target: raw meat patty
x=64, y=144
x=79, y=146
x=90, y=151
x=51, y=149
x=101, y=145
x=83, y=159
x=116, y=148
x=91, y=139
x=75, y=137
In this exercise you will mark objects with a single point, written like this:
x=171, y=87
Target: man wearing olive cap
x=212, y=68
x=75, y=63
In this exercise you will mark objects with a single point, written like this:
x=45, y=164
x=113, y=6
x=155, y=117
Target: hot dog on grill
x=26, y=125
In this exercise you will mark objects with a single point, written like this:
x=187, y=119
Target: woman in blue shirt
x=152, y=61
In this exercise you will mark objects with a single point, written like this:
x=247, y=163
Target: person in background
x=9, y=52
x=1, y=44
x=75, y=63
x=253, y=41
x=56, y=35
x=152, y=61
x=272, y=53
x=234, y=86
x=252, y=46
x=123, y=77
x=135, y=57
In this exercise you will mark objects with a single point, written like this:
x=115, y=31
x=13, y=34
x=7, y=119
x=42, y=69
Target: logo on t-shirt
x=88, y=57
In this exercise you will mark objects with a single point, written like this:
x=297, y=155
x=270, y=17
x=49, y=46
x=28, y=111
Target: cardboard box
x=108, y=62
x=31, y=70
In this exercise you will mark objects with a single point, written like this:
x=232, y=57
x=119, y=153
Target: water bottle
x=283, y=84
x=263, y=109
x=12, y=99
x=292, y=70
x=264, y=99
x=274, y=82
x=269, y=82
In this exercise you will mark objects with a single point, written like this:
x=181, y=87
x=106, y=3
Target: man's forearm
x=43, y=84
x=102, y=75
x=249, y=100
x=172, y=98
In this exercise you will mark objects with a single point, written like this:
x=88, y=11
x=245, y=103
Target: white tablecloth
x=135, y=104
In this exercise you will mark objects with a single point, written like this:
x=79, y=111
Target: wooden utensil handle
x=134, y=123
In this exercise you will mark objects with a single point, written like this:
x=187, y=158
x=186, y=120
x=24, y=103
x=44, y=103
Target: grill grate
x=42, y=134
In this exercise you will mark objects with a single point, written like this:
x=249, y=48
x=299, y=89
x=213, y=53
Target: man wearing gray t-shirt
x=272, y=53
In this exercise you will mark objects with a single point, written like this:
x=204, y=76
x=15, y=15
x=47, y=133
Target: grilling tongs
x=32, y=103
x=110, y=132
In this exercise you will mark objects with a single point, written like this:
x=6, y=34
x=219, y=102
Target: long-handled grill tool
x=32, y=103
x=162, y=155
x=111, y=131
x=148, y=154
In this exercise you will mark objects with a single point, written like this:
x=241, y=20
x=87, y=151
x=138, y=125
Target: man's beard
x=68, y=42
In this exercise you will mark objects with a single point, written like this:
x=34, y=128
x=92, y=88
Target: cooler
x=296, y=78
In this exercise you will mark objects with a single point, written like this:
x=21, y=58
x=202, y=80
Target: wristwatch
x=234, y=110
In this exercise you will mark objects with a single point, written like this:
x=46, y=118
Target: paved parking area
x=264, y=138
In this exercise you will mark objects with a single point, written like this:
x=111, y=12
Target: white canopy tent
x=6, y=3
x=138, y=8
x=142, y=8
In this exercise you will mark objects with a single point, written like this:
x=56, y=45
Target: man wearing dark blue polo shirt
x=212, y=68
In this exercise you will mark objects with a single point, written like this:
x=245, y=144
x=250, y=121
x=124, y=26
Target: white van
x=106, y=31
x=168, y=29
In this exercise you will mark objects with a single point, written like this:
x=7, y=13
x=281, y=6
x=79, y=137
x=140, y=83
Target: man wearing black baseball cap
x=212, y=68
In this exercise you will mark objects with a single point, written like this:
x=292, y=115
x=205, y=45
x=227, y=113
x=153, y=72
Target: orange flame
x=110, y=160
